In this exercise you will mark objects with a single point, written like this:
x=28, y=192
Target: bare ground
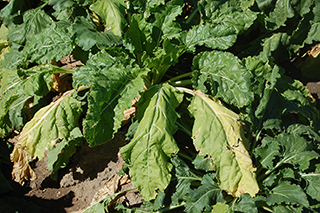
x=89, y=170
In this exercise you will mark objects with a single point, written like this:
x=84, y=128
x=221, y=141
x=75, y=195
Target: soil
x=90, y=170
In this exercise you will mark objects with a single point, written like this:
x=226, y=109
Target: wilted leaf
x=50, y=124
x=218, y=132
x=17, y=86
x=148, y=152
x=59, y=156
x=112, y=13
x=21, y=170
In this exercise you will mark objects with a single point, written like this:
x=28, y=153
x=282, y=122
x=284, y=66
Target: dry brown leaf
x=110, y=188
x=21, y=169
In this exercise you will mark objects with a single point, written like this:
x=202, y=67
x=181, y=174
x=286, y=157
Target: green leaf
x=285, y=192
x=204, y=196
x=287, y=209
x=218, y=132
x=267, y=152
x=59, y=156
x=50, y=124
x=226, y=75
x=164, y=25
x=13, y=59
x=218, y=37
x=295, y=150
x=203, y=162
x=13, y=11
x=283, y=10
x=88, y=34
x=245, y=204
x=84, y=74
x=313, y=183
x=221, y=207
x=34, y=22
x=59, y=5
x=273, y=44
x=185, y=178
x=227, y=13
x=112, y=13
x=163, y=59
x=148, y=153
x=53, y=43
x=113, y=90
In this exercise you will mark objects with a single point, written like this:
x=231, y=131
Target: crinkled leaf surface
x=218, y=37
x=287, y=193
x=148, y=153
x=50, y=124
x=34, y=21
x=88, y=34
x=283, y=10
x=113, y=90
x=50, y=44
x=112, y=12
x=164, y=24
x=246, y=204
x=184, y=177
x=228, y=78
x=267, y=152
x=229, y=13
x=294, y=150
x=313, y=183
x=204, y=196
x=218, y=132
x=83, y=75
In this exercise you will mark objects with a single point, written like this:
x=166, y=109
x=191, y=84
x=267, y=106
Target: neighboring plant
x=219, y=125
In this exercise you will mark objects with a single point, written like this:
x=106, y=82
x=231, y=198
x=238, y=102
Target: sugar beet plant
x=219, y=126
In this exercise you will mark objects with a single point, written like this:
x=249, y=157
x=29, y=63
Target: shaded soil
x=88, y=171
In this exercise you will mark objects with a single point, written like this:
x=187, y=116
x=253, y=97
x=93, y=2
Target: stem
x=233, y=202
x=267, y=209
x=185, y=90
x=180, y=154
x=183, y=128
x=184, y=75
x=181, y=83
x=82, y=87
x=171, y=207
x=190, y=17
